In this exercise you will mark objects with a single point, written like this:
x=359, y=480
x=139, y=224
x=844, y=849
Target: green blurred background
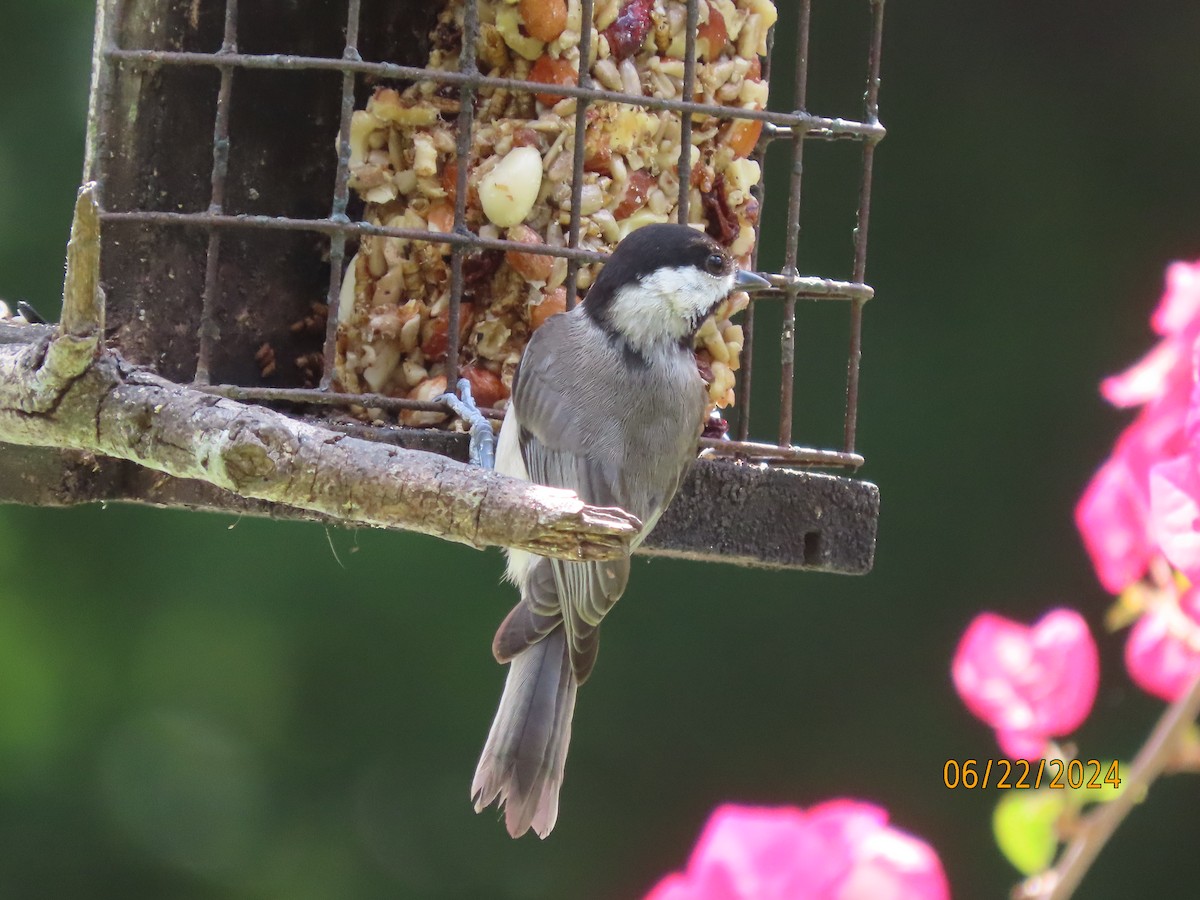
x=197, y=707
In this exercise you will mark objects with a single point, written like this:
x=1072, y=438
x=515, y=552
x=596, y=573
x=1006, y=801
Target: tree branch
x=63, y=389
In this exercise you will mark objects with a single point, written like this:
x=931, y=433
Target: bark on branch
x=64, y=389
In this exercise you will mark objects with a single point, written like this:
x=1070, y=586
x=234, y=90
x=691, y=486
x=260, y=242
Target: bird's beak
x=748, y=281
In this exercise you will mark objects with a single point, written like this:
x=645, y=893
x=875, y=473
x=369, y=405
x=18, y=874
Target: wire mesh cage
x=222, y=140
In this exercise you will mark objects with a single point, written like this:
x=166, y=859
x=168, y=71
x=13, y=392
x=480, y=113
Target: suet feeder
x=240, y=194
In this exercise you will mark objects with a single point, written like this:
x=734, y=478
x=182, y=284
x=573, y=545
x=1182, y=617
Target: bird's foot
x=483, y=439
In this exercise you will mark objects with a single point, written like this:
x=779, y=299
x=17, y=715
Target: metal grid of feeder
x=200, y=270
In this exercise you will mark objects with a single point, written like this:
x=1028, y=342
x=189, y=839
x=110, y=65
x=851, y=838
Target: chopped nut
x=544, y=19
x=389, y=106
x=491, y=336
x=384, y=362
x=532, y=266
x=492, y=50
x=721, y=390
x=753, y=94
x=550, y=304
x=441, y=218
x=662, y=31
x=712, y=341
x=591, y=199
x=741, y=175
x=410, y=331
x=636, y=192
x=734, y=337
x=631, y=81
x=509, y=190
x=712, y=36
x=429, y=389
x=389, y=286
x=508, y=23
x=549, y=70
x=743, y=136
x=424, y=155
x=362, y=125
x=731, y=14
x=606, y=223
x=605, y=71
x=744, y=242
x=414, y=372
x=605, y=13
x=640, y=219
x=435, y=334
x=486, y=388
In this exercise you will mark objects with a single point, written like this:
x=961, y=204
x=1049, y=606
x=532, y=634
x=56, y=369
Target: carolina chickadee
x=607, y=401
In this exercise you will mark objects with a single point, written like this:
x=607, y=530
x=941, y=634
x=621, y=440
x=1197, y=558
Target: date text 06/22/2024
x=1023, y=774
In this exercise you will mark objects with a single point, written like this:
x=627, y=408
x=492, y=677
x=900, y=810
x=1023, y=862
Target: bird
x=606, y=401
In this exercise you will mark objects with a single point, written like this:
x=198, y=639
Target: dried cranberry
x=478, y=268
x=722, y=223
x=636, y=192
x=628, y=31
x=715, y=427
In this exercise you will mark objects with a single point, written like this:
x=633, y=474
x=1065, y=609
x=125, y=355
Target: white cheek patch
x=666, y=305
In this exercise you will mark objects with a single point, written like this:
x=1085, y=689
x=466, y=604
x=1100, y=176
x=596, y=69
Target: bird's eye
x=715, y=264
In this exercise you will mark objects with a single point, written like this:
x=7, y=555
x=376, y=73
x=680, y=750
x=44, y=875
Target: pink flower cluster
x=1120, y=527
x=1030, y=683
x=1140, y=521
x=1141, y=510
x=837, y=850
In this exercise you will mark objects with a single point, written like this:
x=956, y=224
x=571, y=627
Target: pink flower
x=1163, y=650
x=1167, y=365
x=1175, y=513
x=837, y=850
x=1028, y=683
x=1111, y=517
x=1114, y=515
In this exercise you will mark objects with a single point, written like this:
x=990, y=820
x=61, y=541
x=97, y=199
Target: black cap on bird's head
x=661, y=283
x=653, y=247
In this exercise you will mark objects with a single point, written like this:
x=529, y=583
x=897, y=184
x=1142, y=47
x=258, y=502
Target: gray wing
x=562, y=449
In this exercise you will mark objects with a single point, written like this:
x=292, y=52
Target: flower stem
x=1060, y=882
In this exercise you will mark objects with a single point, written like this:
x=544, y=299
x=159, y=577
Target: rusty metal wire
x=341, y=188
x=578, y=149
x=216, y=206
x=860, y=228
x=796, y=126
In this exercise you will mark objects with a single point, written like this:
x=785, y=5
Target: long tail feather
x=526, y=751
